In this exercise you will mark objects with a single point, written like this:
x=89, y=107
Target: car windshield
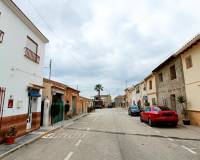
x=157, y=109
x=163, y=108
x=134, y=107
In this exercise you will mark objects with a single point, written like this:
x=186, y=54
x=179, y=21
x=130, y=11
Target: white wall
x=12, y=53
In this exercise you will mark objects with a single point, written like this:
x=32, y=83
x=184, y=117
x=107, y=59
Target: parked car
x=134, y=110
x=159, y=115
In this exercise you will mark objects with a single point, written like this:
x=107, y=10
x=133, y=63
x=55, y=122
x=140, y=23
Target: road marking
x=69, y=156
x=88, y=129
x=170, y=139
x=188, y=149
x=50, y=135
x=78, y=143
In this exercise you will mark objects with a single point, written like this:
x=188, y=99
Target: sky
x=116, y=43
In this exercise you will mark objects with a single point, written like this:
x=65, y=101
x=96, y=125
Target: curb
x=40, y=136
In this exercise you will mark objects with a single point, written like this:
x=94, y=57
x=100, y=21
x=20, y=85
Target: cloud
x=111, y=41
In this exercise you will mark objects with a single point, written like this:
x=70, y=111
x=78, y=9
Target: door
x=74, y=105
x=173, y=101
x=146, y=113
x=29, y=118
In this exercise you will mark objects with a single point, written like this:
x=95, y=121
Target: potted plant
x=182, y=101
x=10, y=135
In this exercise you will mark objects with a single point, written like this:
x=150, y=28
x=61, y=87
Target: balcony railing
x=31, y=55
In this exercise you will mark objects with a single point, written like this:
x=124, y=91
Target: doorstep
x=35, y=135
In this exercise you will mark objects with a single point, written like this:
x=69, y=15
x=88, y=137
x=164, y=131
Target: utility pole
x=126, y=83
x=50, y=68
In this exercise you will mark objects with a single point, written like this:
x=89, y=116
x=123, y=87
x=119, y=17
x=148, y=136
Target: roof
x=189, y=45
x=186, y=47
x=25, y=19
x=60, y=84
x=88, y=99
x=149, y=76
x=120, y=96
x=172, y=57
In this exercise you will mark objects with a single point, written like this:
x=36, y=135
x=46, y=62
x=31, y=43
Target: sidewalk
x=35, y=135
x=191, y=127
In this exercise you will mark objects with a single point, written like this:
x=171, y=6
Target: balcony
x=31, y=55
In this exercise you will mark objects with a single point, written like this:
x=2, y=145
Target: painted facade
x=139, y=96
x=190, y=55
x=120, y=101
x=129, y=95
x=22, y=48
x=151, y=89
x=60, y=94
x=84, y=104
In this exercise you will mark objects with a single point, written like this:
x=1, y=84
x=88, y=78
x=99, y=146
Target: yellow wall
x=192, y=78
x=151, y=93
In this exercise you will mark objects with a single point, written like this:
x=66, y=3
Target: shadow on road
x=134, y=134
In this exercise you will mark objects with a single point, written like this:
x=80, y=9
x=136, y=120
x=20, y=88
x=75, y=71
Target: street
x=110, y=134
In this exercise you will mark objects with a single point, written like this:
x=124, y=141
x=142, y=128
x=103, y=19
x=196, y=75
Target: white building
x=22, y=48
x=139, y=96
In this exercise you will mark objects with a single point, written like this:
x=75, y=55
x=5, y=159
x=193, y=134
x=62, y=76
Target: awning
x=34, y=94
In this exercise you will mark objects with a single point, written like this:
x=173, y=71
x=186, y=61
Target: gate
x=2, y=98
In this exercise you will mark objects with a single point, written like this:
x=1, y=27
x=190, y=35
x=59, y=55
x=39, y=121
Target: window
x=153, y=101
x=157, y=109
x=150, y=85
x=160, y=76
x=173, y=72
x=31, y=50
x=188, y=61
x=32, y=45
x=137, y=89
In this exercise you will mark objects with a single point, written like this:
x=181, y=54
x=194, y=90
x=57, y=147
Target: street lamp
x=1, y=36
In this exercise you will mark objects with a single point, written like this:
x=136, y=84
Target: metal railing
x=31, y=55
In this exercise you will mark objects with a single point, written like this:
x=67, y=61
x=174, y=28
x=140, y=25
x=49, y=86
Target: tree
x=182, y=100
x=98, y=88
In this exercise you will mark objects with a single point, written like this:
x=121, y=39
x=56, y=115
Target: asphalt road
x=110, y=134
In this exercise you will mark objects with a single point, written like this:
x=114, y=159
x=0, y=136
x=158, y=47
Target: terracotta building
x=59, y=95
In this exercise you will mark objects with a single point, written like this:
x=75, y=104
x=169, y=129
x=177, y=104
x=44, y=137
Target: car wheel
x=174, y=125
x=150, y=122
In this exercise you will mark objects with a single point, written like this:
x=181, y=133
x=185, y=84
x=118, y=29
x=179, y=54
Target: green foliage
x=182, y=101
x=11, y=132
x=98, y=87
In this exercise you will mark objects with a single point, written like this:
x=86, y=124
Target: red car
x=157, y=114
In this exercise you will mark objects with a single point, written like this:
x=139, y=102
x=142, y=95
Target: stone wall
x=170, y=87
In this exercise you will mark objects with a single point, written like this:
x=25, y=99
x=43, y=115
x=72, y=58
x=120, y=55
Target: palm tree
x=98, y=88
